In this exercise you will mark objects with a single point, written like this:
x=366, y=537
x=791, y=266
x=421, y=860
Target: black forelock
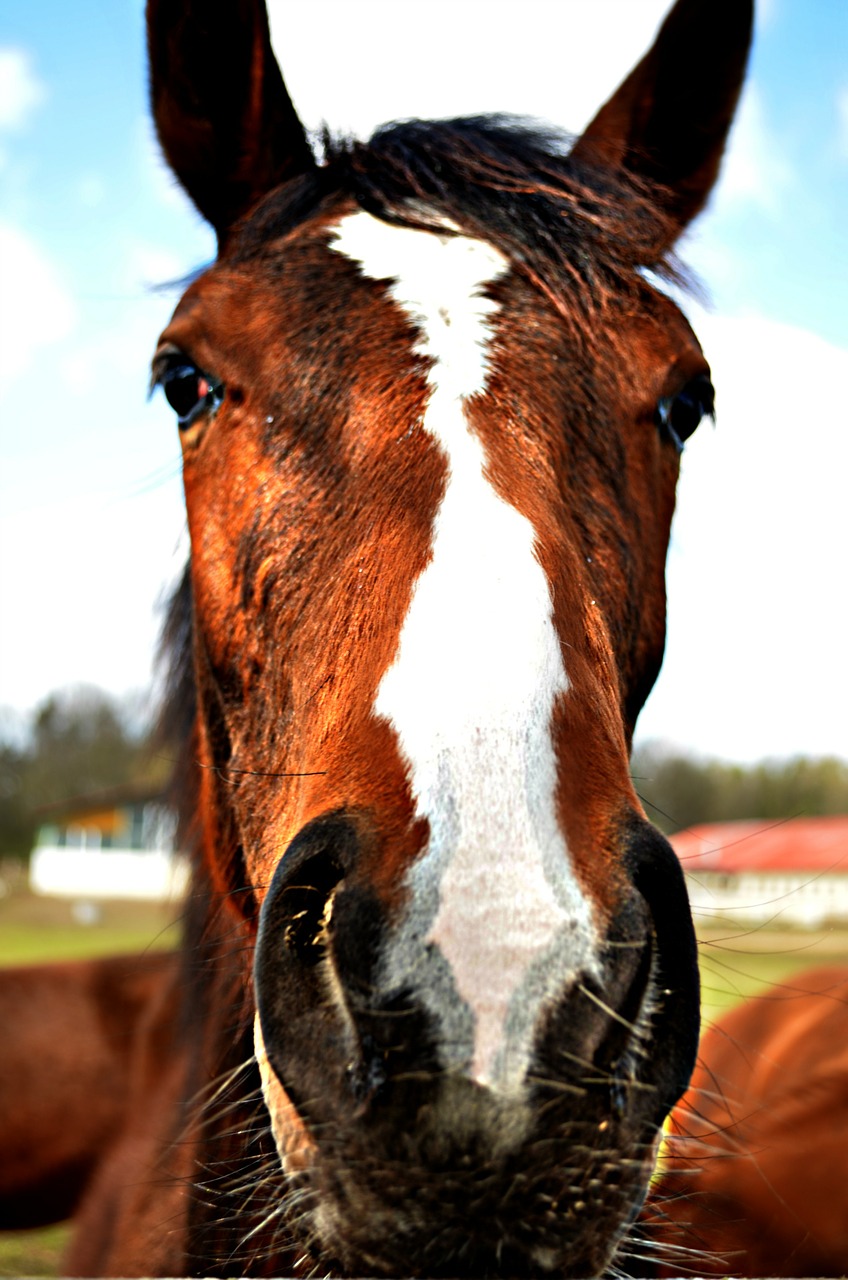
x=580, y=234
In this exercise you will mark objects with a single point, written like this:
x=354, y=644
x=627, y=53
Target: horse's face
x=429, y=510
x=422, y=534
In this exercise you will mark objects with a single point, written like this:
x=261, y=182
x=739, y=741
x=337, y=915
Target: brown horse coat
x=70, y=1032
x=757, y=1171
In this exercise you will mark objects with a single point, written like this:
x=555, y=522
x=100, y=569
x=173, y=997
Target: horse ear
x=224, y=118
x=669, y=120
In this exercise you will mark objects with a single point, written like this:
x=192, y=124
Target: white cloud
x=36, y=308
x=92, y=510
x=755, y=170
x=148, y=266
x=767, y=13
x=122, y=349
x=758, y=626
x=101, y=567
x=553, y=64
x=156, y=175
x=20, y=89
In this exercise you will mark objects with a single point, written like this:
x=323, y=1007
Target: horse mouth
x=559, y=1204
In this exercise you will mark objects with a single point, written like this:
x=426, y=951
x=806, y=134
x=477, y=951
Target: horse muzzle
x=407, y=1164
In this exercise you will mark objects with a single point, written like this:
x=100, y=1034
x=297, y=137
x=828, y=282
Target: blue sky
x=91, y=523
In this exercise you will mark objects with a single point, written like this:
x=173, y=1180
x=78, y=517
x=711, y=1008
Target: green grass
x=737, y=964
x=34, y=929
x=33, y=1253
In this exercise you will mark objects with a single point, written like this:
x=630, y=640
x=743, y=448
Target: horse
x=755, y=1173
x=439, y=975
x=71, y=1029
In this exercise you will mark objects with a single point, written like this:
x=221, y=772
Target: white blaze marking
x=470, y=696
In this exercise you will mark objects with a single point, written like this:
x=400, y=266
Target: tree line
x=78, y=741
x=680, y=790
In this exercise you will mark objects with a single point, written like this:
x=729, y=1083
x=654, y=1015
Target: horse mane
x=581, y=233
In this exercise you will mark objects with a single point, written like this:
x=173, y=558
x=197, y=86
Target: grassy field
x=33, y=1253
x=738, y=963
x=34, y=928
x=735, y=964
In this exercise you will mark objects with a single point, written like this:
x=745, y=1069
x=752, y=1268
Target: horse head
x=431, y=401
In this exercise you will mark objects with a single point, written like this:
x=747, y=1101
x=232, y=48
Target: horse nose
x=342, y=1041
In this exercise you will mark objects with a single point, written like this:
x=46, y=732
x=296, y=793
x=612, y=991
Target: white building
x=117, y=844
x=792, y=872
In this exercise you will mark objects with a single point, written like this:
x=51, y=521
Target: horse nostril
x=305, y=908
x=291, y=982
x=313, y=973
x=619, y=1009
x=298, y=906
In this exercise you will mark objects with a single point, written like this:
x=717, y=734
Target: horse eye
x=189, y=391
x=678, y=416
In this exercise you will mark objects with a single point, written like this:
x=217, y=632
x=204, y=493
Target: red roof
x=797, y=844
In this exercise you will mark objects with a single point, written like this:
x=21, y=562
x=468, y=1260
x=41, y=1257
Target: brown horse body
x=71, y=1036
x=431, y=406
x=755, y=1178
